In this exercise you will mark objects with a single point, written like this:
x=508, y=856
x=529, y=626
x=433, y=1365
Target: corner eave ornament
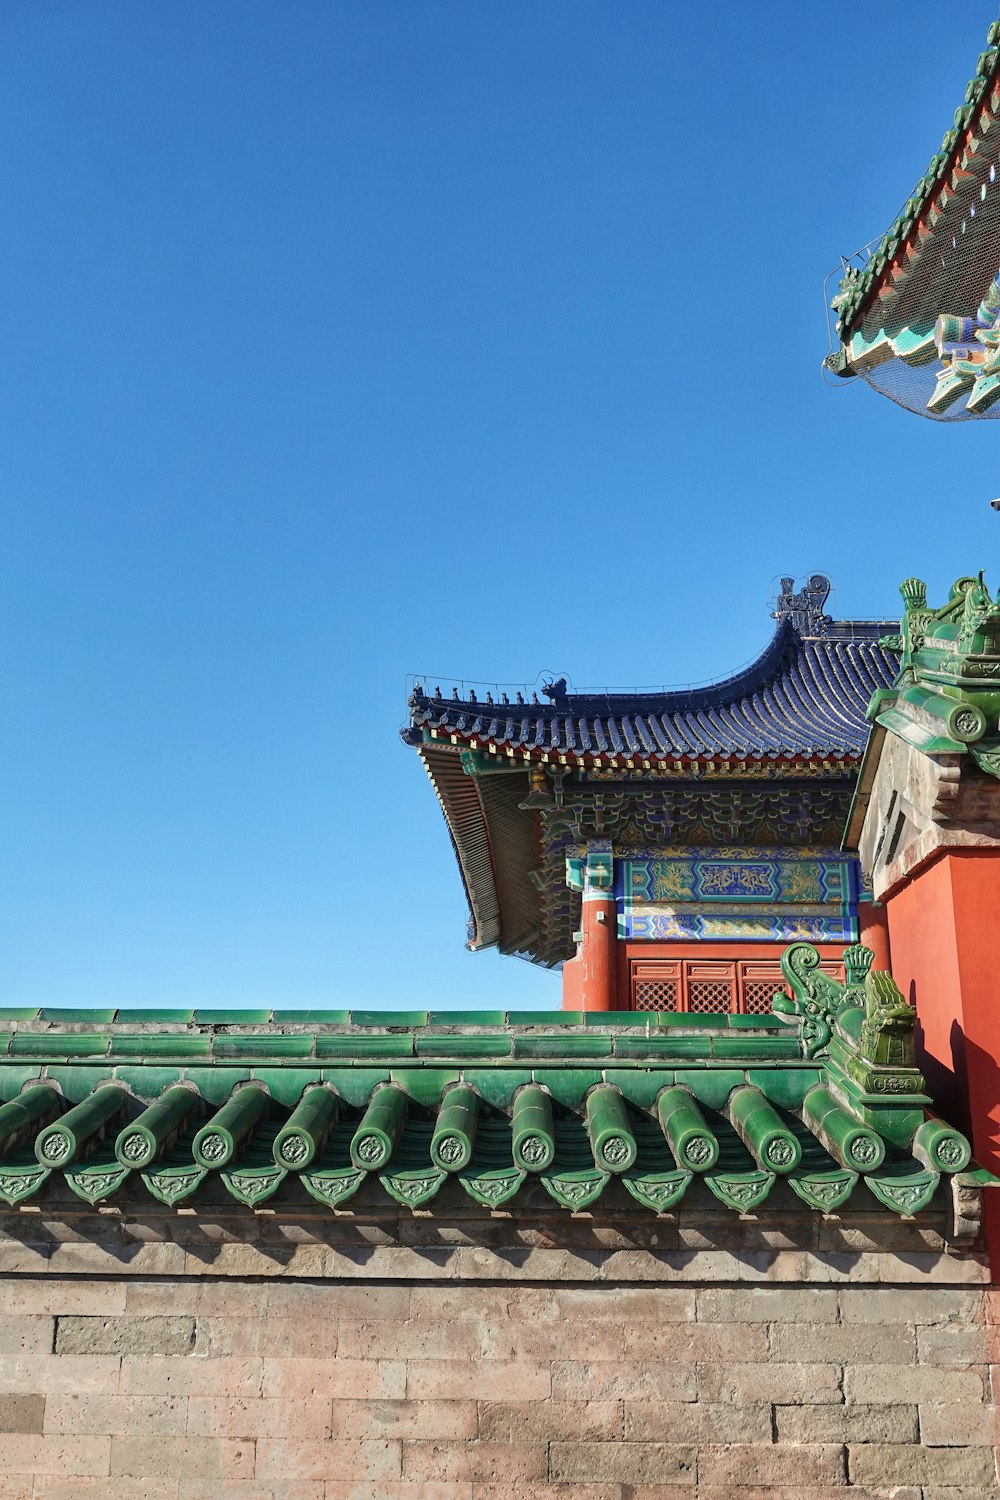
x=946, y=697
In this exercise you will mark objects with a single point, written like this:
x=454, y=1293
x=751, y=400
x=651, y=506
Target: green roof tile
x=870, y=274
x=312, y=1017
x=262, y=1046
x=545, y=1018
x=155, y=1048
x=156, y=1017
x=333, y=1045
x=466, y=1018
x=56, y=1044
x=72, y=1016
x=463, y=1046
x=565, y=1046
x=232, y=1017
x=393, y=1018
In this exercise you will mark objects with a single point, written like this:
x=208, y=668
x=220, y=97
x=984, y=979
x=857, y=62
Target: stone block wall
x=294, y=1353
x=195, y=1387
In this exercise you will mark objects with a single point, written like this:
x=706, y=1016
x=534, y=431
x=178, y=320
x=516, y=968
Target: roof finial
x=804, y=610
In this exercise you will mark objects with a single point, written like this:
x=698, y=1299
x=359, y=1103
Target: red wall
x=944, y=930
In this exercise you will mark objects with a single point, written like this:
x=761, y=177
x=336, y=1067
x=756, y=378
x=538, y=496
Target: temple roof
x=948, y=178
x=926, y=296
x=793, y=721
x=178, y=1109
x=805, y=697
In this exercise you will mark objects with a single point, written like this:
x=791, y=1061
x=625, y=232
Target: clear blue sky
x=343, y=341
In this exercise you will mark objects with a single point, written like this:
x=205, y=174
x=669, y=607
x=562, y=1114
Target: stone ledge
x=83, y=1258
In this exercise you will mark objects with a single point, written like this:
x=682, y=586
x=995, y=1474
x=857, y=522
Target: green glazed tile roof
x=815, y=1093
x=949, y=180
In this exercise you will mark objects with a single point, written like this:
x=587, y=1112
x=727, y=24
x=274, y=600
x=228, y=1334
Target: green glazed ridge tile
x=765, y=1022
x=262, y=1046
x=75, y=1016
x=312, y=1017
x=466, y=1018
x=232, y=1017
x=157, y=1047
x=570, y=1047
x=545, y=1018
x=756, y=1047
x=615, y=1018
x=349, y=1045
x=143, y=1016
x=19, y=1013
x=660, y=1046
x=428, y=1045
x=701, y=1022
x=58, y=1044
x=389, y=1018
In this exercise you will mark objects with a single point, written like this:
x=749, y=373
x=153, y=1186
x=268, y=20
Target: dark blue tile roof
x=805, y=696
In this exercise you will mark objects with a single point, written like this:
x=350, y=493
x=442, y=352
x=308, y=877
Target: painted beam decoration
x=919, y=317
x=823, y=1094
x=748, y=894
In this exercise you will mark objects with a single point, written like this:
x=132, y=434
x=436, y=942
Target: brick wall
x=154, y=1388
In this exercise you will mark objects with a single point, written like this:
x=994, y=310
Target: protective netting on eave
x=920, y=322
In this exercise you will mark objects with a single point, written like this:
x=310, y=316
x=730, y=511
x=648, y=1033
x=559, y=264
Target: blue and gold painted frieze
x=739, y=894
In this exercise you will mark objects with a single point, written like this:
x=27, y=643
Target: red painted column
x=590, y=980
x=944, y=927
x=873, y=931
x=599, y=952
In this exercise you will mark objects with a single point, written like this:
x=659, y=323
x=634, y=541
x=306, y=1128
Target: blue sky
x=347, y=341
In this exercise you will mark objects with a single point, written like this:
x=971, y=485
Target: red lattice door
x=706, y=986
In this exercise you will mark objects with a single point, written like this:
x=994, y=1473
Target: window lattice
x=709, y=995
x=758, y=994
x=660, y=994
